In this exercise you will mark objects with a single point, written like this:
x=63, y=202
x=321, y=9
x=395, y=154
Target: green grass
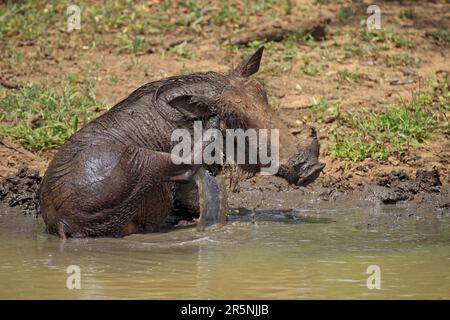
x=134, y=44
x=283, y=54
x=289, y=6
x=181, y=51
x=309, y=68
x=131, y=27
x=404, y=60
x=322, y=2
x=282, y=57
x=345, y=13
x=367, y=50
x=441, y=37
x=41, y=118
x=408, y=13
x=126, y=25
x=194, y=18
x=441, y=92
x=11, y=55
x=351, y=50
x=226, y=15
x=358, y=135
x=258, y=6
x=324, y=108
x=347, y=77
x=385, y=36
x=27, y=20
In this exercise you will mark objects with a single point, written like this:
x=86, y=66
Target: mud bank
x=20, y=190
x=269, y=193
x=261, y=193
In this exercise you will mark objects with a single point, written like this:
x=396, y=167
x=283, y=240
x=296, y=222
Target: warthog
x=115, y=176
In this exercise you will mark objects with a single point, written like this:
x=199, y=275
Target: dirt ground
x=291, y=90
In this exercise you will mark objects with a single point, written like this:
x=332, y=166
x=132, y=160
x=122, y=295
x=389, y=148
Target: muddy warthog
x=115, y=176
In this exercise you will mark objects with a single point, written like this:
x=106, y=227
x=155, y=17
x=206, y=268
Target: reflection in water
x=294, y=255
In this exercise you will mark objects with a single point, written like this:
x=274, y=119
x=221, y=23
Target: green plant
x=384, y=36
x=400, y=41
x=345, y=13
x=359, y=135
x=322, y=2
x=345, y=77
x=441, y=93
x=371, y=49
x=441, y=37
x=41, y=118
x=227, y=14
x=134, y=44
x=352, y=50
x=181, y=50
x=288, y=6
x=408, y=13
x=401, y=60
x=324, y=108
x=259, y=5
x=309, y=68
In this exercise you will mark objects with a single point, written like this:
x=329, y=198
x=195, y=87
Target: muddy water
x=310, y=253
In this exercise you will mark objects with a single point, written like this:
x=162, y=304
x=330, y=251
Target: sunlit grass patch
x=181, y=50
x=28, y=20
x=345, y=13
x=384, y=36
x=363, y=50
x=11, y=55
x=322, y=2
x=351, y=50
x=41, y=118
x=126, y=25
x=441, y=37
x=283, y=54
x=358, y=135
x=133, y=44
x=348, y=77
x=311, y=68
x=408, y=13
x=324, y=109
x=404, y=60
x=441, y=92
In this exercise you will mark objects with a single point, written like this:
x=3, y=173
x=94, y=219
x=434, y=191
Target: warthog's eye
x=253, y=84
x=256, y=90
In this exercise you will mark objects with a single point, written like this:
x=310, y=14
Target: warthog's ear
x=249, y=65
x=191, y=96
x=192, y=107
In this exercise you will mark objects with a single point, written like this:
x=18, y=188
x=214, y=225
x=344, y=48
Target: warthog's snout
x=303, y=167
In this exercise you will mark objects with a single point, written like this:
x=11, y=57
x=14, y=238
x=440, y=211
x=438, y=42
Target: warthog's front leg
x=212, y=199
x=203, y=198
x=204, y=194
x=110, y=187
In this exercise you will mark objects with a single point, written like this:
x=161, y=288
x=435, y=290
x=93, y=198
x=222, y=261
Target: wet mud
x=20, y=190
x=396, y=188
x=272, y=198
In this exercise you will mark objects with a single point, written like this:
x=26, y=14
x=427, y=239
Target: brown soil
x=13, y=157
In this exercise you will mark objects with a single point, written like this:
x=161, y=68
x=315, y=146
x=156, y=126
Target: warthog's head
x=246, y=99
x=240, y=102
